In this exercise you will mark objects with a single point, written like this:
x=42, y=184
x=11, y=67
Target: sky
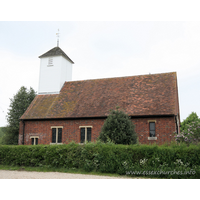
x=102, y=49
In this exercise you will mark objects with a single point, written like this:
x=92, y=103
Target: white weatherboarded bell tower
x=55, y=69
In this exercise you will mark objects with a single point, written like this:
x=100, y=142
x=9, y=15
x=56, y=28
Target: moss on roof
x=154, y=94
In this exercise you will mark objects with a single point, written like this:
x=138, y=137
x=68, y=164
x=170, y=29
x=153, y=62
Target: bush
x=118, y=128
x=175, y=161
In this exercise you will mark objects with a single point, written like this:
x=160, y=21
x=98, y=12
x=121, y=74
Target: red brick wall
x=165, y=127
x=70, y=131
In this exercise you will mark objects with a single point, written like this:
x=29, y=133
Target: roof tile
x=56, y=51
x=153, y=94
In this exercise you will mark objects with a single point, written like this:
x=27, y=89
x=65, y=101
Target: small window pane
x=89, y=130
x=36, y=141
x=60, y=135
x=32, y=141
x=82, y=135
x=152, y=134
x=152, y=129
x=53, y=135
x=152, y=126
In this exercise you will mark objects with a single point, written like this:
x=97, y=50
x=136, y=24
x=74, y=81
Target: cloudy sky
x=102, y=49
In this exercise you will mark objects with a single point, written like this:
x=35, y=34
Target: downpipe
x=23, y=131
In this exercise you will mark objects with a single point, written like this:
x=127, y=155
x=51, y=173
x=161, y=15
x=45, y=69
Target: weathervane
x=58, y=35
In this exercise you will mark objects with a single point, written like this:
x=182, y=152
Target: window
x=56, y=134
x=86, y=133
x=34, y=140
x=50, y=62
x=152, y=130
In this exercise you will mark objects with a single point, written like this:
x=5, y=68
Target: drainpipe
x=23, y=131
x=177, y=123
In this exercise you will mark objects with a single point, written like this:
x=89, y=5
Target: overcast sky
x=102, y=50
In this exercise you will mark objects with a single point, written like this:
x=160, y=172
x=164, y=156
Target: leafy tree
x=19, y=104
x=190, y=130
x=2, y=131
x=191, y=134
x=193, y=117
x=118, y=128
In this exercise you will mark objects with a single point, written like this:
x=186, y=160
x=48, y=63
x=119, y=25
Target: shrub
x=118, y=128
x=177, y=161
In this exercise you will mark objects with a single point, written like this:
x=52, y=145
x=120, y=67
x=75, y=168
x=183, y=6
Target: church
x=66, y=110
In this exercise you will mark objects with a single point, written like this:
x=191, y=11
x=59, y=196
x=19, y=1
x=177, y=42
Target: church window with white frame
x=152, y=130
x=85, y=134
x=56, y=134
x=34, y=140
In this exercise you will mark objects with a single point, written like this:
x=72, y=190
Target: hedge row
x=133, y=160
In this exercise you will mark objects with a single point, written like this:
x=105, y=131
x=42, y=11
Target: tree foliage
x=191, y=134
x=193, y=117
x=2, y=131
x=19, y=104
x=190, y=130
x=118, y=128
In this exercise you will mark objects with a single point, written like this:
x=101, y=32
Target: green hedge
x=133, y=160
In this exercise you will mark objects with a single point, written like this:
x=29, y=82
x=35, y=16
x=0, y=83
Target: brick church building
x=66, y=110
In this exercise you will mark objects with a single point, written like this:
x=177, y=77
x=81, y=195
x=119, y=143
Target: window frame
x=85, y=133
x=56, y=127
x=34, y=137
x=150, y=137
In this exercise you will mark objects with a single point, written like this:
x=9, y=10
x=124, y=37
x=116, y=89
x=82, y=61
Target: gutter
x=97, y=117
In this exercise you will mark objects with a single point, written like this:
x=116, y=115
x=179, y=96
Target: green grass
x=62, y=170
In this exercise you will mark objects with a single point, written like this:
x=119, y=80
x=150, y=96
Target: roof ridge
x=122, y=77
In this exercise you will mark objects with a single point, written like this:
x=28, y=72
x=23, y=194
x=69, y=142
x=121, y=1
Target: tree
x=193, y=117
x=19, y=104
x=190, y=130
x=191, y=134
x=2, y=131
x=118, y=128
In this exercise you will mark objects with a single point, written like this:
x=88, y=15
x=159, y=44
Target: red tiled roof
x=154, y=94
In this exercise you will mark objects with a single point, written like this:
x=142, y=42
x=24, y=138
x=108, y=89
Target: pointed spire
x=58, y=35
